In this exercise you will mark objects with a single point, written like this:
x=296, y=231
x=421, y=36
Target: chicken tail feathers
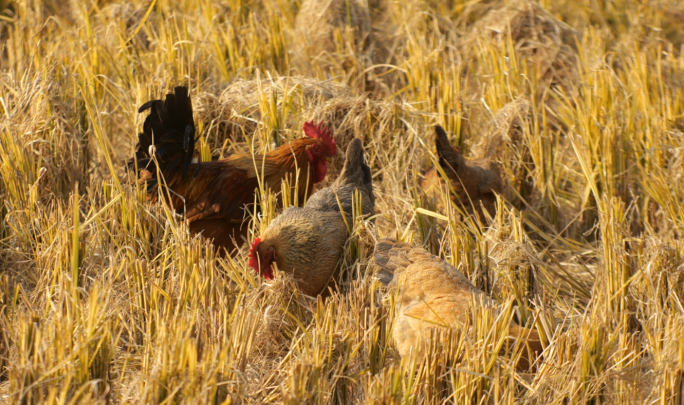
x=391, y=258
x=354, y=158
x=168, y=137
x=355, y=170
x=450, y=158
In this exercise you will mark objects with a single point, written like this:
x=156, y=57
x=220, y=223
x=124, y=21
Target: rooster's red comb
x=323, y=134
x=253, y=258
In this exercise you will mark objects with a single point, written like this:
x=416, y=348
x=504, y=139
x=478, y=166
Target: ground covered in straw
x=105, y=298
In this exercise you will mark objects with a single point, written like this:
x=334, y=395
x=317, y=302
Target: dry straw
x=105, y=298
x=546, y=44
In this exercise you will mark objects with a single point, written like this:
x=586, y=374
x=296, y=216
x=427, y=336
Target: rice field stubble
x=105, y=298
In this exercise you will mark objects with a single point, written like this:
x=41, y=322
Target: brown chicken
x=216, y=196
x=475, y=182
x=309, y=242
x=433, y=293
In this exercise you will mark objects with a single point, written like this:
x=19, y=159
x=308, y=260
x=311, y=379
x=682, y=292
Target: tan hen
x=433, y=293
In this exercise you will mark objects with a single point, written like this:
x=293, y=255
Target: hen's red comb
x=323, y=134
x=253, y=259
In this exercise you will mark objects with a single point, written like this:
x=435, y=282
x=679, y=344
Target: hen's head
x=261, y=257
x=319, y=153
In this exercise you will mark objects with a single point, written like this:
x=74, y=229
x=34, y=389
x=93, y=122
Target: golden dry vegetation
x=105, y=298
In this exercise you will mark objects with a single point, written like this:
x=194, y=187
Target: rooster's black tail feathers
x=170, y=129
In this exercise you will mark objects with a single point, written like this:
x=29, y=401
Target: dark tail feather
x=188, y=146
x=449, y=157
x=354, y=156
x=170, y=128
x=352, y=172
x=355, y=170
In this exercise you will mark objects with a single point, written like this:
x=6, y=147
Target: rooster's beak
x=327, y=159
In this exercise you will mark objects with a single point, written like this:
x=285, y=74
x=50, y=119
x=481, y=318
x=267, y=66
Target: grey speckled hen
x=308, y=242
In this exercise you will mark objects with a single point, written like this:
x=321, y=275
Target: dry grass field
x=106, y=298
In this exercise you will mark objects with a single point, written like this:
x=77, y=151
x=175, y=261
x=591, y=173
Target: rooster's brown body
x=475, y=182
x=308, y=242
x=432, y=293
x=216, y=196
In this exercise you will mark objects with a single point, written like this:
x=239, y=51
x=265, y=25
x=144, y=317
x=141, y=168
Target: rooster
x=432, y=292
x=308, y=242
x=214, y=194
x=475, y=182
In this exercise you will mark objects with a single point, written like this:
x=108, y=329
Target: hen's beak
x=327, y=159
x=267, y=271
